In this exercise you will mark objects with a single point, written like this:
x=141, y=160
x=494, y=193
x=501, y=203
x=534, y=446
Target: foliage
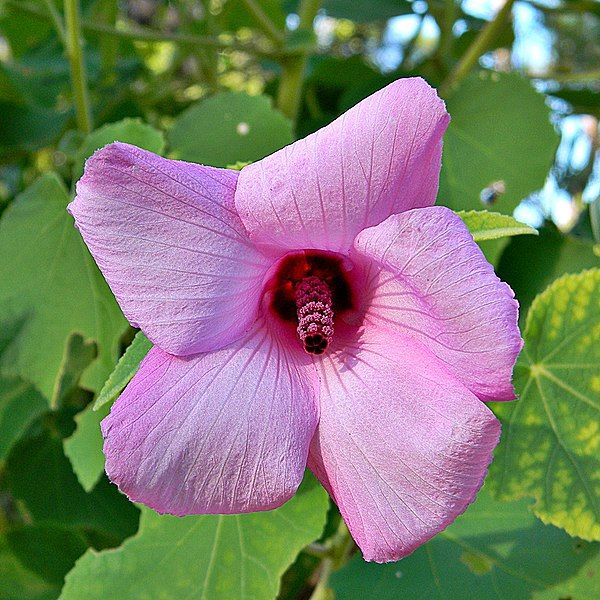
x=551, y=435
x=224, y=84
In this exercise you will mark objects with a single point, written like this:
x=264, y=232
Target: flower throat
x=310, y=288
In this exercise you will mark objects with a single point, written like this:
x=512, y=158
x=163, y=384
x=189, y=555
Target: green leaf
x=551, y=435
x=495, y=550
x=48, y=551
x=29, y=128
x=131, y=131
x=500, y=132
x=49, y=279
x=19, y=582
x=227, y=128
x=84, y=447
x=209, y=556
x=39, y=476
x=20, y=405
x=485, y=225
x=235, y=14
x=529, y=264
x=126, y=368
x=79, y=354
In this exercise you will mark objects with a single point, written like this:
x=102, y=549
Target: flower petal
x=379, y=158
x=223, y=432
x=431, y=281
x=166, y=236
x=401, y=446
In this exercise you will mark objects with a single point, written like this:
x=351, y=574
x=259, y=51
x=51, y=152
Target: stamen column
x=315, y=315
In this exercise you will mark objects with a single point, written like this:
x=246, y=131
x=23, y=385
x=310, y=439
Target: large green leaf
x=49, y=279
x=495, y=550
x=550, y=448
x=500, y=132
x=484, y=225
x=132, y=131
x=529, y=264
x=228, y=128
x=210, y=556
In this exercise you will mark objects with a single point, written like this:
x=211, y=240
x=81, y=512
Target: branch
x=144, y=34
x=266, y=24
x=481, y=44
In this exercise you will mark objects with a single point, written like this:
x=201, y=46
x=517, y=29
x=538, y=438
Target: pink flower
x=313, y=309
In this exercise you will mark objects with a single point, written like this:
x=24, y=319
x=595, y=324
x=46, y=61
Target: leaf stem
x=266, y=24
x=480, y=45
x=292, y=75
x=335, y=552
x=74, y=51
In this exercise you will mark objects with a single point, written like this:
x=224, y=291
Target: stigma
x=315, y=314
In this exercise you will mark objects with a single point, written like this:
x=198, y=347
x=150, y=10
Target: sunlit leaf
x=210, y=556
x=484, y=225
x=550, y=447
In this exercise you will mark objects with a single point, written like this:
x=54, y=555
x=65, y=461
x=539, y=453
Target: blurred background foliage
x=224, y=82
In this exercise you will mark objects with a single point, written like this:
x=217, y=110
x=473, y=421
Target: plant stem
x=480, y=45
x=266, y=24
x=290, y=84
x=78, y=74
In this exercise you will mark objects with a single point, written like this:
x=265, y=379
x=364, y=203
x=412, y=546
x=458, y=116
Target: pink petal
x=166, y=236
x=402, y=446
x=431, y=281
x=223, y=432
x=379, y=158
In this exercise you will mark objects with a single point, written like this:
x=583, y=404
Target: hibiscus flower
x=314, y=309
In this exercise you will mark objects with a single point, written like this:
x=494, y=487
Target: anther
x=315, y=315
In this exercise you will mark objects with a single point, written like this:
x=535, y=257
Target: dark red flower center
x=310, y=289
